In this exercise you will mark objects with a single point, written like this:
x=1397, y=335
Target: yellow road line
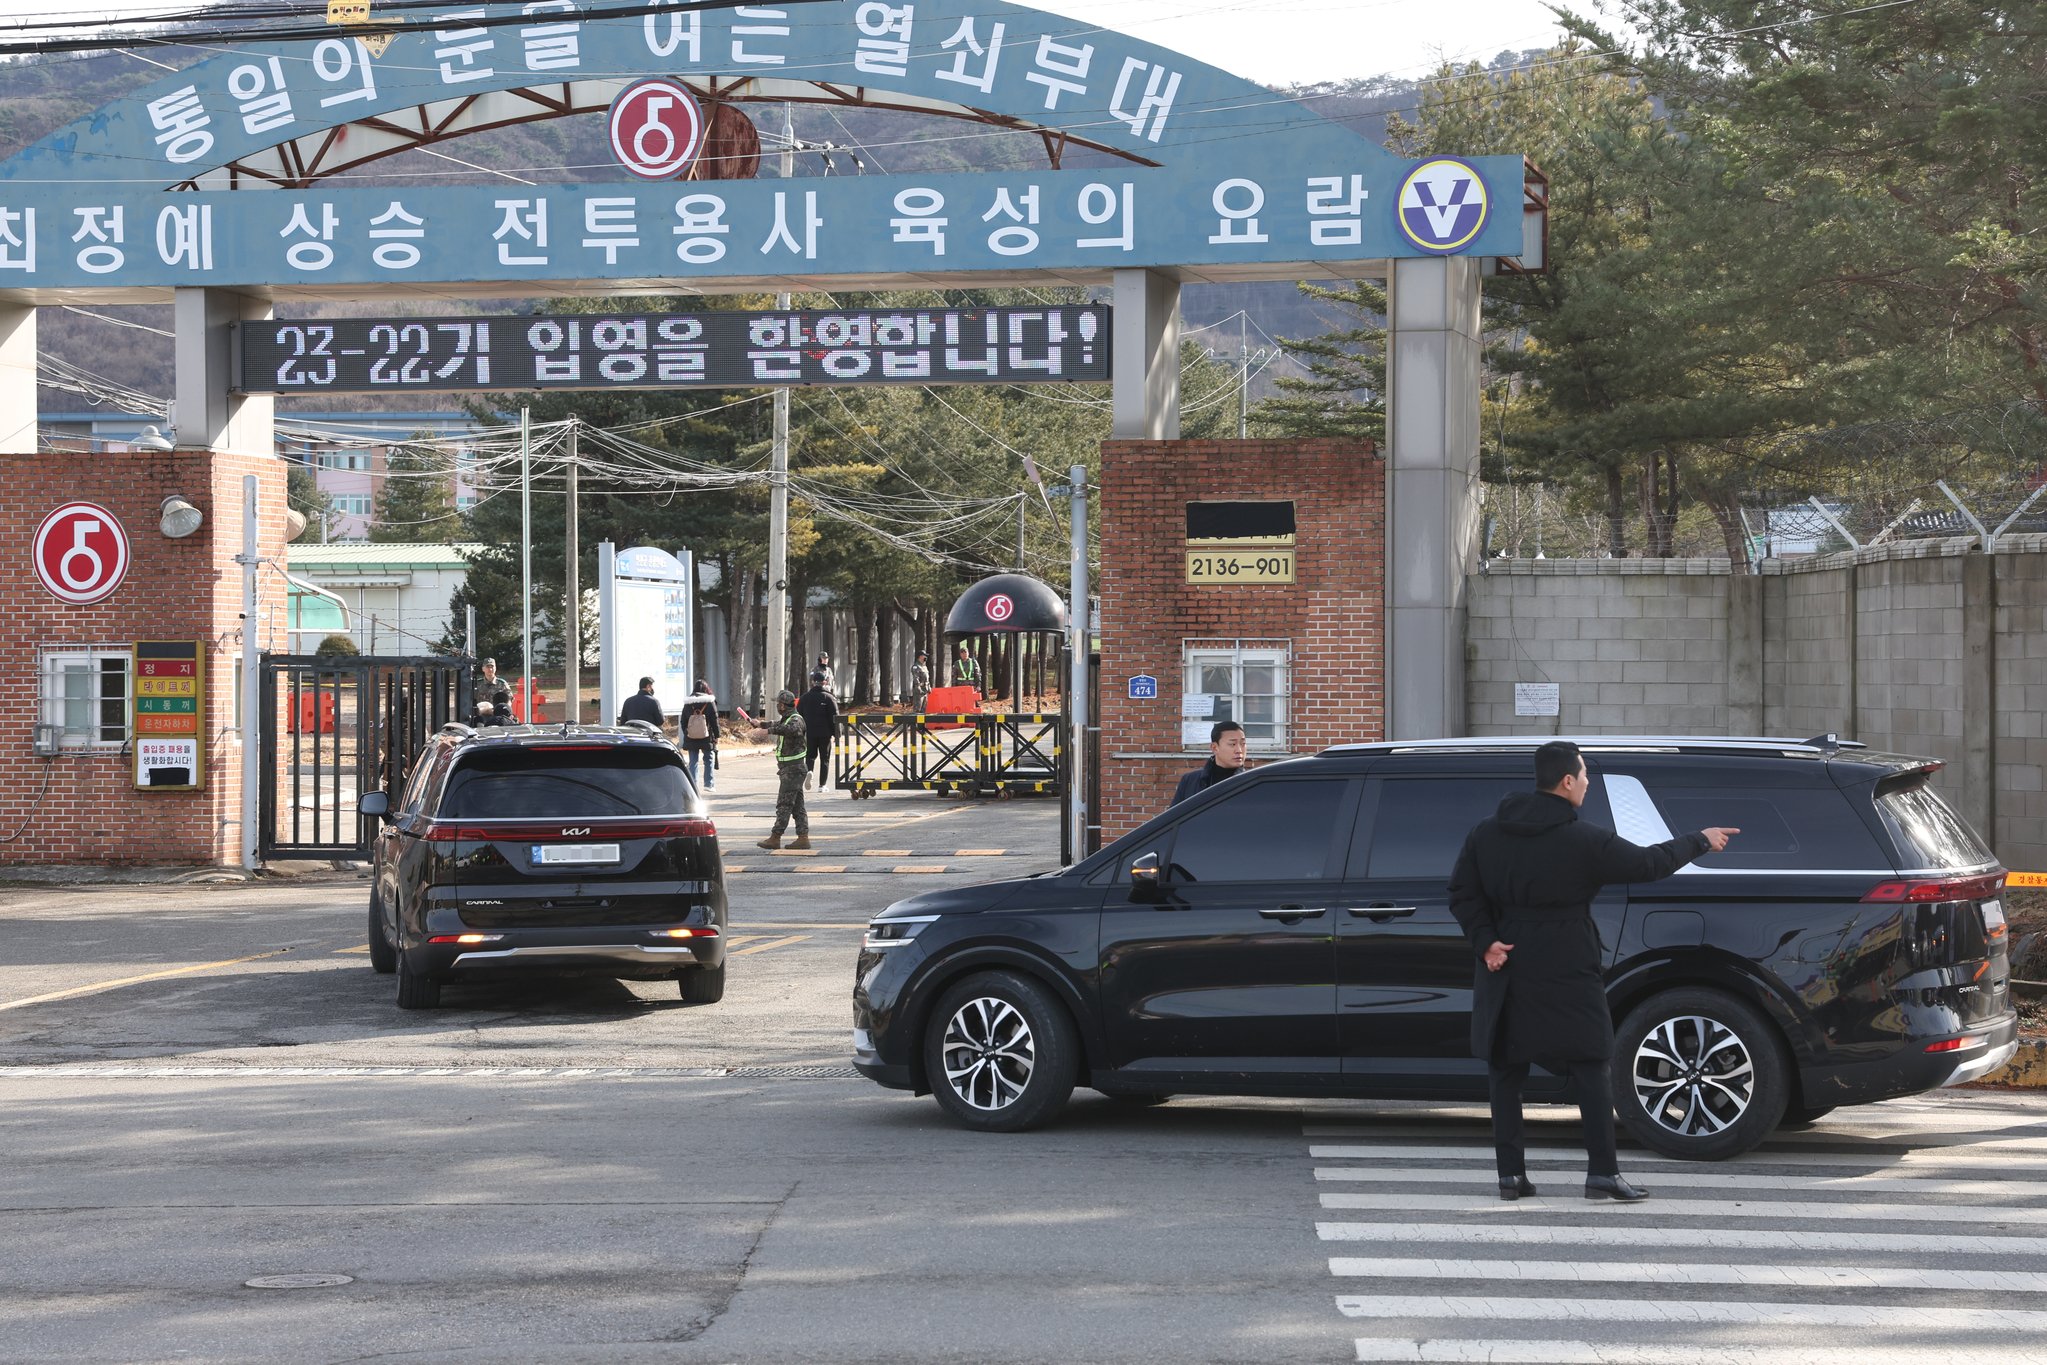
x=363, y=949
x=918, y=867
x=815, y=867
x=132, y=980
x=887, y=852
x=980, y=853
x=771, y=943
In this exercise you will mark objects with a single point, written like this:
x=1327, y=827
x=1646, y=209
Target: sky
x=1276, y=42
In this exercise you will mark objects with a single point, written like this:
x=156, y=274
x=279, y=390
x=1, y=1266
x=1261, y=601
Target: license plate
x=558, y=855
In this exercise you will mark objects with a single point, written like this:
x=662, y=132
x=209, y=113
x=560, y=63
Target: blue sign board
x=247, y=168
x=1144, y=687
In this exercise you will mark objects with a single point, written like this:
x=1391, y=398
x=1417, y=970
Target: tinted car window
x=565, y=783
x=1928, y=833
x=1419, y=823
x=1804, y=827
x=1268, y=832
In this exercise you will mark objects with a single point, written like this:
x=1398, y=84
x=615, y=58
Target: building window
x=1249, y=680
x=352, y=504
x=344, y=459
x=85, y=698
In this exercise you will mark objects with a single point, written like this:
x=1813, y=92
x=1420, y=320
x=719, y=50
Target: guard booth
x=978, y=752
x=335, y=729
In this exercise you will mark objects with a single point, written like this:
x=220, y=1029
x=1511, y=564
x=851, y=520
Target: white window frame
x=96, y=736
x=1199, y=654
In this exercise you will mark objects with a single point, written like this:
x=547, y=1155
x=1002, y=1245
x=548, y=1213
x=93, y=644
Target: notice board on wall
x=170, y=715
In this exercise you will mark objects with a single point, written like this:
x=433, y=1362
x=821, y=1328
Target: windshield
x=565, y=783
x=1928, y=833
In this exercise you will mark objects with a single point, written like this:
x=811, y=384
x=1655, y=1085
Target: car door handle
x=1382, y=911
x=1294, y=911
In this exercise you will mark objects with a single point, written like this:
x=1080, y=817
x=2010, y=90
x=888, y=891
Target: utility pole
x=778, y=504
x=1243, y=374
x=1022, y=504
x=572, y=685
x=526, y=561
x=252, y=693
x=1079, y=632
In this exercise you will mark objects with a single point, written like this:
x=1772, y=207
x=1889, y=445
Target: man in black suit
x=1226, y=757
x=641, y=705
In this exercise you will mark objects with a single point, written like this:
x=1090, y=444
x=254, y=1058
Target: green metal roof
x=368, y=556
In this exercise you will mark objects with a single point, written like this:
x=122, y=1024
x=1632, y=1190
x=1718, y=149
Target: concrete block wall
x=1631, y=650
x=2021, y=691
x=1927, y=647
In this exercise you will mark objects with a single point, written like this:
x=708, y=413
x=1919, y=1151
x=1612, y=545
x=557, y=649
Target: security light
x=179, y=518
x=154, y=439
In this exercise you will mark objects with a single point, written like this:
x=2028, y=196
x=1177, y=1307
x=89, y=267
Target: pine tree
x=1346, y=395
x=417, y=501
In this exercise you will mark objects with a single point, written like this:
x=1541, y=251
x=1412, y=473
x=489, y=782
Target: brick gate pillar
x=1330, y=619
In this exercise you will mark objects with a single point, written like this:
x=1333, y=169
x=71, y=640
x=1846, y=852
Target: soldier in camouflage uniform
x=792, y=747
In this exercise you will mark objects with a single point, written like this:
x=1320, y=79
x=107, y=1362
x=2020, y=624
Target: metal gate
x=334, y=729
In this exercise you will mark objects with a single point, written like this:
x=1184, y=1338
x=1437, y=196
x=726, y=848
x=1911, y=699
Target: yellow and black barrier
x=973, y=754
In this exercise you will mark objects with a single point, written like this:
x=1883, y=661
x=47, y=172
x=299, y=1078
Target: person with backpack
x=820, y=720
x=698, y=721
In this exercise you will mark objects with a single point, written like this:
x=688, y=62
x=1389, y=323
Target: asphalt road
x=200, y=1086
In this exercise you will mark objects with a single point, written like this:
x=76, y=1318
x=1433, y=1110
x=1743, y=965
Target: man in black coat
x=641, y=705
x=1226, y=753
x=1523, y=893
x=820, y=714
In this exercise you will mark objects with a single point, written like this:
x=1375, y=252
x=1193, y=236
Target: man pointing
x=1523, y=892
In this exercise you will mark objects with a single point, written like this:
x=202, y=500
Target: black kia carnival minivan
x=1289, y=933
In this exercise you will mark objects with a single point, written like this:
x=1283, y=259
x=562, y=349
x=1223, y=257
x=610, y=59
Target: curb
x=2027, y=1068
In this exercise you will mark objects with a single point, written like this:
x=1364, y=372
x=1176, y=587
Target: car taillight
x=465, y=938
x=446, y=832
x=1916, y=892
x=708, y=931
x=1957, y=1044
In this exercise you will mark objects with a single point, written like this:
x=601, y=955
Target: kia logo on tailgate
x=572, y=833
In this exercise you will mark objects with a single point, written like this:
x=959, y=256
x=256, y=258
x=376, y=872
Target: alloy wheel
x=1694, y=1076
x=989, y=1053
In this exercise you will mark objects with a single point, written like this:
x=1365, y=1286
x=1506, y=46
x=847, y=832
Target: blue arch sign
x=221, y=175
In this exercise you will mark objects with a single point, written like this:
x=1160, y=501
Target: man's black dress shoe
x=1613, y=1187
x=1516, y=1187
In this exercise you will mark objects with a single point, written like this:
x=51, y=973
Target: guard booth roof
x=1007, y=604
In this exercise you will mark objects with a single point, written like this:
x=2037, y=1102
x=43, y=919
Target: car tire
x=1699, y=1075
x=702, y=985
x=1013, y=1053
x=383, y=957
x=416, y=992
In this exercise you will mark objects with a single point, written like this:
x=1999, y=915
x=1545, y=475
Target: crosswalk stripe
x=1575, y=1157
x=1454, y=1351
x=1483, y=1201
x=1884, y=1182
x=1684, y=1272
x=1692, y=1311
x=1609, y=1233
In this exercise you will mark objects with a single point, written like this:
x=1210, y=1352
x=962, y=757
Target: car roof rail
x=456, y=727
x=1479, y=744
x=645, y=725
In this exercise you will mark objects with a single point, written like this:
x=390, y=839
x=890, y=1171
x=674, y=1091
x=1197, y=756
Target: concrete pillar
x=207, y=415
x=1851, y=629
x=1745, y=654
x=1432, y=513
x=17, y=378
x=1144, y=357
x=1978, y=786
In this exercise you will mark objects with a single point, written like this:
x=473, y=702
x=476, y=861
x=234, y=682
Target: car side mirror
x=375, y=804
x=1146, y=878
